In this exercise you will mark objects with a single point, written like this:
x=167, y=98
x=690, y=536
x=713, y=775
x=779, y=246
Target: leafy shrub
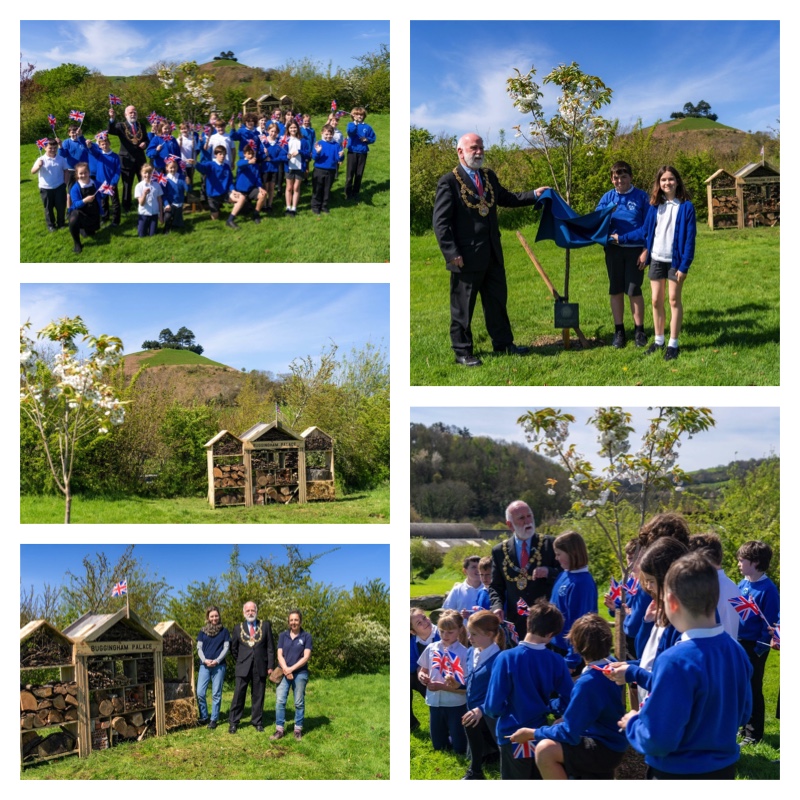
x=424, y=559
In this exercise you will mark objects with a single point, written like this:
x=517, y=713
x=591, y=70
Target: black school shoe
x=512, y=350
x=472, y=775
x=468, y=360
x=654, y=348
x=671, y=354
x=640, y=339
x=619, y=340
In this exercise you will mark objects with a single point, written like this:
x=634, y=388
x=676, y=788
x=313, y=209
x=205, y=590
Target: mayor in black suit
x=132, y=143
x=253, y=651
x=511, y=582
x=465, y=224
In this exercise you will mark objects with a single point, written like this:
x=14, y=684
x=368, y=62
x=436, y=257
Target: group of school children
x=696, y=654
x=78, y=178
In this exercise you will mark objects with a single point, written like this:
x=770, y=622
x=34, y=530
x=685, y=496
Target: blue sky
x=739, y=433
x=253, y=326
x=181, y=564
x=459, y=70
x=118, y=47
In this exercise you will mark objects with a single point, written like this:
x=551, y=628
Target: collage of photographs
x=586, y=513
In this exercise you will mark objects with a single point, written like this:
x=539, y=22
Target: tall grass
x=352, y=232
x=731, y=325
x=343, y=740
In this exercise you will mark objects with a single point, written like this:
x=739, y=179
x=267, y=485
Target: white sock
x=673, y=343
x=659, y=339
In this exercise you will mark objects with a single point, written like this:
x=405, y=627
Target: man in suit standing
x=132, y=145
x=465, y=224
x=524, y=567
x=253, y=651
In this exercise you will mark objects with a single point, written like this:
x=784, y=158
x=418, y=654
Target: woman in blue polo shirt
x=213, y=643
x=294, y=650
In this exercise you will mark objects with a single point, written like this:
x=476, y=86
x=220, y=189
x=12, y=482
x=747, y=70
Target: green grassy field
x=357, y=508
x=157, y=358
x=350, y=233
x=343, y=740
x=755, y=762
x=731, y=324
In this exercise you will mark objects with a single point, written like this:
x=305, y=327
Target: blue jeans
x=298, y=686
x=216, y=675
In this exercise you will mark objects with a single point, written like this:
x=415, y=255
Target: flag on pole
x=77, y=115
x=159, y=177
x=440, y=661
x=51, y=121
x=333, y=105
x=455, y=669
x=632, y=585
x=615, y=593
x=106, y=188
x=120, y=589
x=522, y=608
x=511, y=632
x=114, y=100
x=745, y=606
x=41, y=143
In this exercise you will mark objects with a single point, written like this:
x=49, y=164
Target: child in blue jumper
x=669, y=232
x=109, y=169
x=84, y=215
x=327, y=156
x=487, y=639
x=754, y=633
x=700, y=692
x=574, y=592
x=74, y=150
x=464, y=596
x=174, y=196
x=219, y=186
x=528, y=682
x=423, y=633
x=359, y=137
x=248, y=183
x=587, y=743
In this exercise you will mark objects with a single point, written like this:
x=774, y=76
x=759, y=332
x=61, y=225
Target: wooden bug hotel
x=119, y=672
x=270, y=463
x=48, y=713
x=747, y=198
x=179, y=680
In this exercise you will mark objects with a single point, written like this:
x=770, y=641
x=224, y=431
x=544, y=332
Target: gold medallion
x=522, y=582
x=483, y=209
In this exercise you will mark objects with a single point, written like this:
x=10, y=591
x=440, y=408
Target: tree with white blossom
x=627, y=478
x=576, y=126
x=67, y=401
x=190, y=98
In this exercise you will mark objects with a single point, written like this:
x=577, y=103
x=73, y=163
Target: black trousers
x=256, y=699
x=355, y=172
x=755, y=726
x=321, y=182
x=482, y=742
x=465, y=288
x=517, y=769
x=173, y=217
x=111, y=207
x=81, y=220
x=416, y=686
x=55, y=205
x=129, y=178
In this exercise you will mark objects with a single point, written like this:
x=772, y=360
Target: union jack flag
x=284, y=140
x=524, y=749
x=456, y=670
x=615, y=593
x=167, y=137
x=340, y=114
x=776, y=633
x=333, y=105
x=344, y=143
x=159, y=177
x=101, y=135
x=744, y=607
x=440, y=661
x=522, y=608
x=511, y=632
x=51, y=120
x=77, y=115
x=169, y=159
x=152, y=117
x=106, y=188
x=114, y=100
x=120, y=589
x=206, y=129
x=41, y=143
x=632, y=585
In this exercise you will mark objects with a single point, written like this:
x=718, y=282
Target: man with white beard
x=524, y=567
x=132, y=144
x=465, y=224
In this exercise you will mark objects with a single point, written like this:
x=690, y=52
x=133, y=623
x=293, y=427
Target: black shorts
x=622, y=266
x=590, y=760
x=268, y=177
x=662, y=271
x=215, y=203
x=296, y=173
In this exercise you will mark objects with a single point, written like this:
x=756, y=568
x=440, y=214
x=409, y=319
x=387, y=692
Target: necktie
x=252, y=630
x=478, y=183
x=523, y=561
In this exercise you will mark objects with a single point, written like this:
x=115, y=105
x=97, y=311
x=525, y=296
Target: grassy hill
x=695, y=134
x=169, y=356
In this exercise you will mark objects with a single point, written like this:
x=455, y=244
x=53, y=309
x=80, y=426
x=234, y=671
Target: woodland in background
x=311, y=84
x=350, y=628
x=740, y=502
x=696, y=154
x=158, y=450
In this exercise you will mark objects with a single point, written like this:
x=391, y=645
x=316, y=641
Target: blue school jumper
x=354, y=135
x=521, y=685
x=108, y=165
x=274, y=154
x=247, y=136
x=683, y=242
x=478, y=679
x=630, y=212
x=699, y=698
x=754, y=629
x=169, y=147
x=574, y=594
x=642, y=677
x=74, y=152
x=248, y=177
x=219, y=178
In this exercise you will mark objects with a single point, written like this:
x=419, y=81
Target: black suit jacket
x=130, y=153
x=462, y=231
x=504, y=594
x=260, y=657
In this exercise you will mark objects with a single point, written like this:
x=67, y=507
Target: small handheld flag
x=106, y=188
x=615, y=593
x=152, y=117
x=455, y=668
x=51, y=121
x=114, y=100
x=525, y=749
x=745, y=606
x=333, y=105
x=120, y=589
x=77, y=115
x=632, y=585
x=440, y=661
x=522, y=608
x=159, y=177
x=511, y=632
x=41, y=143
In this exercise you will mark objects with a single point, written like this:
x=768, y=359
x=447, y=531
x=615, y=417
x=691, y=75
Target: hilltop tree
x=700, y=111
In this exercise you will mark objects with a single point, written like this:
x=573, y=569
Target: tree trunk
x=67, y=504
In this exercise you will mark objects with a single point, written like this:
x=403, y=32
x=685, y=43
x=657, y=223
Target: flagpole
x=127, y=602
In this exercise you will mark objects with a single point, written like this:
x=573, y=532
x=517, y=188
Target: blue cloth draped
x=561, y=224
